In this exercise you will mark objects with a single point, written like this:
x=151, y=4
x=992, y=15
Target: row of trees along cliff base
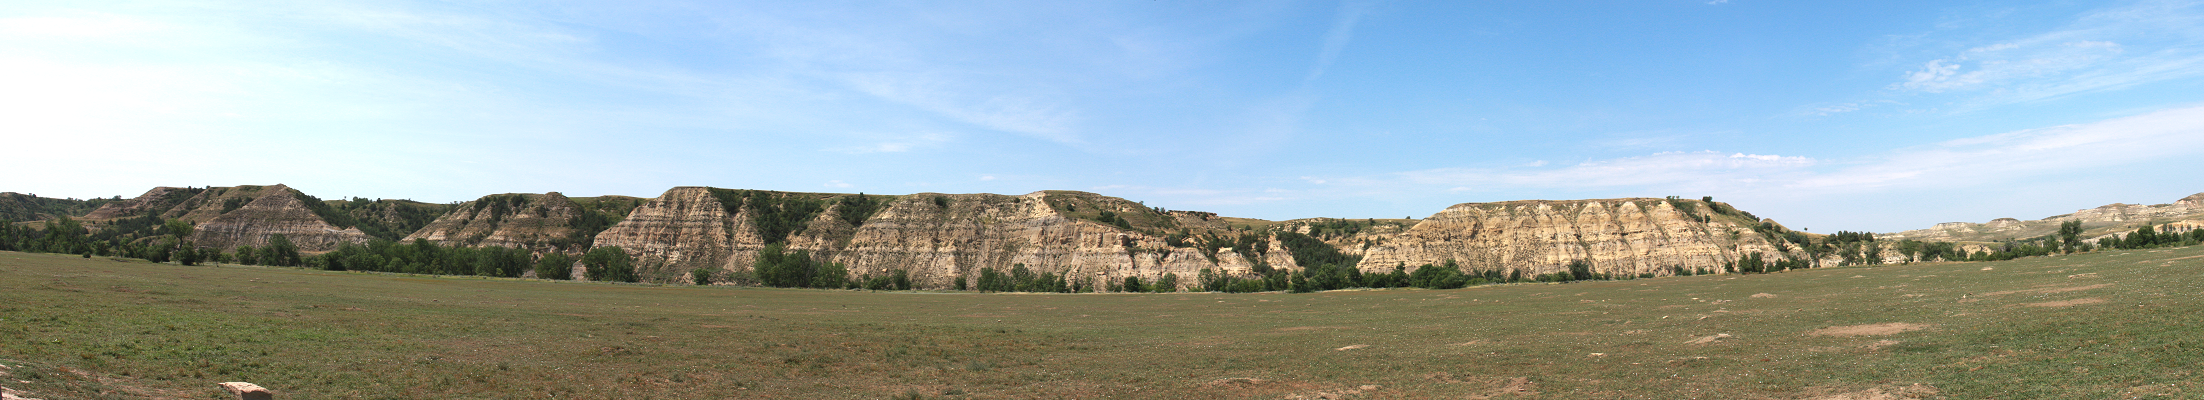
x=1326, y=269
x=169, y=241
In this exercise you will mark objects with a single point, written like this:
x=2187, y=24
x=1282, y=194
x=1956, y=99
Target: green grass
x=99, y=328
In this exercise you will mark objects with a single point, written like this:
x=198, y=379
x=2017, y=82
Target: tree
x=609, y=263
x=555, y=266
x=280, y=252
x=1580, y=270
x=2070, y=233
x=2143, y=237
x=179, y=228
x=247, y=255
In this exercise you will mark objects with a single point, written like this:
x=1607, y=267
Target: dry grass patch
x=2065, y=303
x=1892, y=328
x=1909, y=392
x=2049, y=290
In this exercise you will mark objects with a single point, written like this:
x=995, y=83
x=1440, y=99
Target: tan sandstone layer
x=2096, y=222
x=1618, y=236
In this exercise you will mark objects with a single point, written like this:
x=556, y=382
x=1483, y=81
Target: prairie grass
x=2100, y=325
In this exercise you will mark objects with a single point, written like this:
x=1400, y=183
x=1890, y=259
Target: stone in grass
x=247, y=391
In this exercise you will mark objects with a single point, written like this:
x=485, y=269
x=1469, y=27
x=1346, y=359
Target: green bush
x=610, y=264
x=555, y=266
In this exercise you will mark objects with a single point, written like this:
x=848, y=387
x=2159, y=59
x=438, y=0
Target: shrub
x=700, y=276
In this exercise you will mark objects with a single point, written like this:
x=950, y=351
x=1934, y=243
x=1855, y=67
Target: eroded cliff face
x=529, y=221
x=270, y=210
x=936, y=237
x=1618, y=236
x=227, y=217
x=2096, y=222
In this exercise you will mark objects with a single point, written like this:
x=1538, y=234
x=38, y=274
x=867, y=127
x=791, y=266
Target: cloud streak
x=1982, y=160
x=1335, y=40
x=2103, y=50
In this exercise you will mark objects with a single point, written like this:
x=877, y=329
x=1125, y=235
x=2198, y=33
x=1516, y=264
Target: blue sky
x=1864, y=116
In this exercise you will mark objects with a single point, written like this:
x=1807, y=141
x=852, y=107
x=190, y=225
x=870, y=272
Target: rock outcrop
x=159, y=199
x=531, y=221
x=273, y=210
x=939, y=238
x=227, y=217
x=1617, y=236
x=935, y=237
x=2096, y=222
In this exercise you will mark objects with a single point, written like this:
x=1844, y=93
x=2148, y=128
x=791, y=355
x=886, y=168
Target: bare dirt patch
x=1500, y=386
x=1333, y=394
x=1709, y=339
x=1763, y=296
x=1254, y=386
x=2066, y=303
x=1914, y=391
x=1353, y=347
x=1869, y=329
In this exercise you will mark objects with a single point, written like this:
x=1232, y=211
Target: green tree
x=2070, y=233
x=555, y=266
x=280, y=252
x=178, y=228
x=609, y=263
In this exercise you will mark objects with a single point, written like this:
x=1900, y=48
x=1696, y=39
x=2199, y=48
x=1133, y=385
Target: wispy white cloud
x=2154, y=136
x=1335, y=40
x=2102, y=50
x=1704, y=169
x=896, y=144
x=1982, y=160
x=1004, y=112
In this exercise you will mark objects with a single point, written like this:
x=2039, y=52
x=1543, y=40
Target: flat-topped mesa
x=935, y=237
x=2096, y=222
x=1621, y=237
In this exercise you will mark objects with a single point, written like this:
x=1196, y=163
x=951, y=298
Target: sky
x=1872, y=116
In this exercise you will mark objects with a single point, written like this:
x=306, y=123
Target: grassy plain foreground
x=2103, y=325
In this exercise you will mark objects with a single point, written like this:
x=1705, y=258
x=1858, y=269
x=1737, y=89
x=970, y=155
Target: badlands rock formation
x=936, y=237
x=1618, y=236
x=532, y=221
x=2096, y=222
x=227, y=217
x=277, y=210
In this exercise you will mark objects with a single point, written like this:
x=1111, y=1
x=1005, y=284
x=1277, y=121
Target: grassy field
x=2105, y=325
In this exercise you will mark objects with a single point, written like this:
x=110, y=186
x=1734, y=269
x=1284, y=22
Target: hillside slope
x=935, y=237
x=2186, y=213
x=1617, y=236
x=227, y=217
